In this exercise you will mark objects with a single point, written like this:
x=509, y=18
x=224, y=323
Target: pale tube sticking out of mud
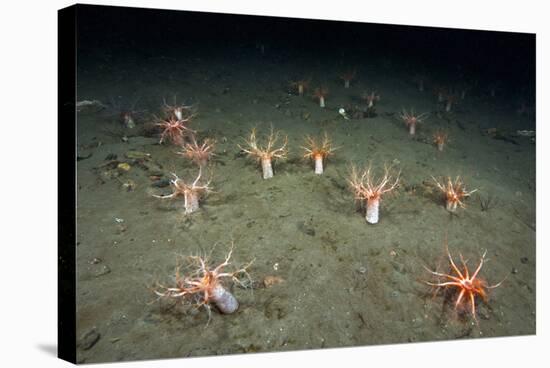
x=450, y=101
x=199, y=284
x=176, y=110
x=347, y=77
x=300, y=86
x=128, y=120
x=440, y=138
x=373, y=208
x=318, y=164
x=191, y=202
x=198, y=153
x=267, y=168
x=411, y=120
x=318, y=151
x=367, y=189
x=265, y=154
x=190, y=192
x=178, y=113
x=321, y=94
x=454, y=192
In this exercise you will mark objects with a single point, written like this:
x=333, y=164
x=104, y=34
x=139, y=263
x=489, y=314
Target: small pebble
x=123, y=166
x=89, y=339
x=96, y=260
x=362, y=270
x=129, y=185
x=514, y=270
x=524, y=260
x=100, y=271
x=269, y=281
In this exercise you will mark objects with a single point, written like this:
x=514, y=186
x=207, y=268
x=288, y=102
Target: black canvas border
x=66, y=186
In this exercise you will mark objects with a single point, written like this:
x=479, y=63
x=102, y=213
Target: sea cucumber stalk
x=191, y=202
x=366, y=188
x=318, y=164
x=373, y=206
x=267, y=169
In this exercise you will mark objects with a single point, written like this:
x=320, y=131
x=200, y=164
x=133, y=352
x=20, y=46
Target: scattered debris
x=526, y=133
x=138, y=155
x=270, y=281
x=124, y=166
x=89, y=105
x=80, y=158
x=342, y=112
x=100, y=271
x=129, y=185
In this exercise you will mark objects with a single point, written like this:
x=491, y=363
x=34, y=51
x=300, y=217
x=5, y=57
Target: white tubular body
x=178, y=112
x=321, y=102
x=451, y=206
x=224, y=300
x=129, y=122
x=267, y=169
x=191, y=202
x=412, y=129
x=318, y=164
x=373, y=206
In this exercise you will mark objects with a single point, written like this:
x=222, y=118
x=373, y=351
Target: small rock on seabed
x=89, y=339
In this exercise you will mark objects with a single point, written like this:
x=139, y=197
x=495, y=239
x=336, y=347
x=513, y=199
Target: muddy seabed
x=344, y=282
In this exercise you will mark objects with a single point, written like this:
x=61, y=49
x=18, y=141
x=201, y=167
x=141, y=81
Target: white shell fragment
x=342, y=112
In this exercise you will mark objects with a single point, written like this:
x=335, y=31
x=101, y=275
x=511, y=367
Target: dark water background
x=345, y=282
